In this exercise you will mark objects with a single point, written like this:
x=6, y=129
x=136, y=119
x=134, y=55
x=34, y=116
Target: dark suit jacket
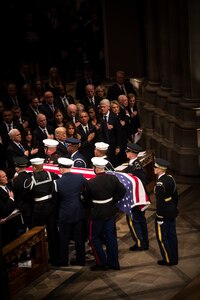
x=81, y=84
x=62, y=150
x=59, y=104
x=46, y=110
x=87, y=148
x=114, y=90
x=38, y=137
x=86, y=102
x=112, y=136
x=32, y=118
x=4, y=133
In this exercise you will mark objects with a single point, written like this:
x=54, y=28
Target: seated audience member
x=32, y=112
x=134, y=115
x=38, y=90
x=61, y=136
x=95, y=120
x=111, y=131
x=90, y=99
x=42, y=131
x=15, y=149
x=59, y=120
x=87, y=131
x=72, y=114
x=12, y=97
x=101, y=92
x=63, y=99
x=29, y=145
x=9, y=226
x=48, y=107
x=51, y=156
x=73, y=145
x=26, y=97
x=71, y=130
x=18, y=117
x=120, y=87
x=87, y=78
x=53, y=81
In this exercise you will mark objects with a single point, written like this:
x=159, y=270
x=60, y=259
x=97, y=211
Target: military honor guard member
x=166, y=213
x=101, y=150
x=73, y=145
x=41, y=187
x=72, y=214
x=101, y=195
x=137, y=224
x=51, y=156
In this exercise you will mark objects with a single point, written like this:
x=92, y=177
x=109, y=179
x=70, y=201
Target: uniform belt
x=42, y=198
x=102, y=201
x=168, y=199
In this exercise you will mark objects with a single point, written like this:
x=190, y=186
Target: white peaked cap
x=37, y=161
x=99, y=162
x=101, y=146
x=50, y=143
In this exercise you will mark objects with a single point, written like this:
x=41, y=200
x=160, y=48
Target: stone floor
x=140, y=278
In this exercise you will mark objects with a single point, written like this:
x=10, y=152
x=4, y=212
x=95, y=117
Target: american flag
x=135, y=192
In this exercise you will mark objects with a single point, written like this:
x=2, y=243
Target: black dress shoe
x=114, y=267
x=136, y=248
x=164, y=263
x=76, y=263
x=98, y=268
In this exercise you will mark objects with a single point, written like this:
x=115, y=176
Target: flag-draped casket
x=135, y=192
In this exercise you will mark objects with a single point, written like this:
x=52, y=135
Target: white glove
x=160, y=222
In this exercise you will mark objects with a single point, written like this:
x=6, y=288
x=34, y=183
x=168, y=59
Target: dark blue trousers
x=138, y=227
x=105, y=228
x=167, y=241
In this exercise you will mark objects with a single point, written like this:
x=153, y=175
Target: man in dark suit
x=15, y=149
x=73, y=145
x=32, y=112
x=48, y=107
x=120, y=87
x=60, y=136
x=110, y=131
x=87, y=131
x=87, y=78
x=5, y=126
x=42, y=132
x=90, y=100
x=71, y=212
x=12, y=97
x=63, y=99
x=8, y=205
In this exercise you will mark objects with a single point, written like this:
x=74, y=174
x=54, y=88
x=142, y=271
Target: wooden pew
x=20, y=277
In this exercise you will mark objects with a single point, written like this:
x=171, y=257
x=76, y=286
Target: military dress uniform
x=137, y=224
x=71, y=213
x=103, y=192
x=165, y=223
x=44, y=207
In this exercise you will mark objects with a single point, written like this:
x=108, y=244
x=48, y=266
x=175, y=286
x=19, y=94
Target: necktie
x=52, y=107
x=105, y=118
x=9, y=127
x=86, y=130
x=45, y=132
x=6, y=189
x=21, y=147
x=122, y=90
